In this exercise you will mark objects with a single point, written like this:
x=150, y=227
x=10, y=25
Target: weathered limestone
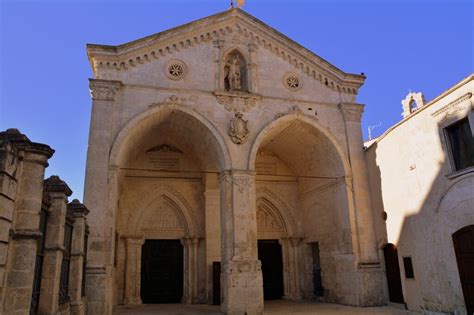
x=58, y=192
x=79, y=247
x=421, y=200
x=241, y=275
x=22, y=172
x=181, y=142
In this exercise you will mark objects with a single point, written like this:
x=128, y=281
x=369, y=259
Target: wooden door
x=392, y=268
x=162, y=271
x=269, y=253
x=464, y=247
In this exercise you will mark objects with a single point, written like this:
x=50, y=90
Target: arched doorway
x=392, y=269
x=463, y=241
x=164, y=160
x=302, y=170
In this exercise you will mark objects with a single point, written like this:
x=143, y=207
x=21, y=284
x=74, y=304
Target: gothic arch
x=174, y=199
x=137, y=123
x=296, y=116
x=279, y=209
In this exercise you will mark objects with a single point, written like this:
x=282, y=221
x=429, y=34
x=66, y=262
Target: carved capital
x=351, y=112
x=104, y=90
x=218, y=43
x=253, y=47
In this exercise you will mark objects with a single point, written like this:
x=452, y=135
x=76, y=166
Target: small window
x=461, y=144
x=407, y=264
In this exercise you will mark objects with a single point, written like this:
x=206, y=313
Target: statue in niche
x=234, y=72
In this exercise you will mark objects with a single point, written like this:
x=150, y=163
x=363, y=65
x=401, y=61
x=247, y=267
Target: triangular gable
x=218, y=26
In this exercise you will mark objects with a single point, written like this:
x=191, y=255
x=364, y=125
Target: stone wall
x=33, y=273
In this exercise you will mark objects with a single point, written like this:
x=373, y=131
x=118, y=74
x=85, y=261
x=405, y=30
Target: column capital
x=218, y=43
x=351, y=111
x=135, y=240
x=54, y=184
x=104, y=90
x=35, y=152
x=236, y=174
x=253, y=47
x=77, y=209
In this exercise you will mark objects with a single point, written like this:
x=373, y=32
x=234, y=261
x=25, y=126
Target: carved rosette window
x=175, y=70
x=292, y=82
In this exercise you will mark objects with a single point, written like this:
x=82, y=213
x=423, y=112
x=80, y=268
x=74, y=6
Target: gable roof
x=216, y=27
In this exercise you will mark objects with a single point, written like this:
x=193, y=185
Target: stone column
x=97, y=199
x=79, y=213
x=219, y=80
x=213, y=230
x=24, y=228
x=370, y=277
x=241, y=276
x=291, y=268
x=190, y=269
x=252, y=68
x=133, y=270
x=58, y=192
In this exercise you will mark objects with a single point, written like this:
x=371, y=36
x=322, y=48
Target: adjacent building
x=422, y=184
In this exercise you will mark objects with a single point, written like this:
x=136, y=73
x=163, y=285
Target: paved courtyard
x=271, y=307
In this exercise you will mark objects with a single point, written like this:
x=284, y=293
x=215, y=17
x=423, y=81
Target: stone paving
x=271, y=308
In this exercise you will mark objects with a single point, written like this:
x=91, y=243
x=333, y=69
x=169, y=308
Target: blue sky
x=401, y=45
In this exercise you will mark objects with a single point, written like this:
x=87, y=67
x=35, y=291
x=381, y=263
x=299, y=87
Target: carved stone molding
x=453, y=107
x=236, y=28
x=104, y=90
x=176, y=100
x=237, y=101
x=351, y=112
x=238, y=129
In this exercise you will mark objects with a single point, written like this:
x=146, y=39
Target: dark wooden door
x=216, y=282
x=269, y=253
x=464, y=247
x=162, y=271
x=392, y=269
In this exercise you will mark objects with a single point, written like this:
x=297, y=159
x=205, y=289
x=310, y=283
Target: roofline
x=433, y=101
x=233, y=11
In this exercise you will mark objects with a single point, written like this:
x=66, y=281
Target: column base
x=99, y=290
x=242, y=284
x=371, y=284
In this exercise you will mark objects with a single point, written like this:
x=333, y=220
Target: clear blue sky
x=399, y=44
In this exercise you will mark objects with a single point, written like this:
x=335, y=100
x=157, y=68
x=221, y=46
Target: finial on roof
x=240, y=3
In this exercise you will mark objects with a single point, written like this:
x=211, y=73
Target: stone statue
x=238, y=130
x=233, y=73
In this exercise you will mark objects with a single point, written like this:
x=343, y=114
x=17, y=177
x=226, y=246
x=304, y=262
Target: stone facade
x=421, y=198
x=221, y=133
x=33, y=219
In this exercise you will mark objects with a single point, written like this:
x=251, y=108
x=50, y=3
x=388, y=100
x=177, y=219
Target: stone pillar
x=219, y=80
x=26, y=164
x=78, y=250
x=369, y=269
x=213, y=230
x=97, y=199
x=252, y=68
x=291, y=267
x=241, y=276
x=133, y=270
x=58, y=192
x=190, y=269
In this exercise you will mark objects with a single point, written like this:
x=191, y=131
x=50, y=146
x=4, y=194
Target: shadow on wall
x=428, y=261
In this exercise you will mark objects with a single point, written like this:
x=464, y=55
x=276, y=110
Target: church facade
x=226, y=161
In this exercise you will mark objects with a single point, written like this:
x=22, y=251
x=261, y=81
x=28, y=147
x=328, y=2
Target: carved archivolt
x=165, y=201
x=270, y=203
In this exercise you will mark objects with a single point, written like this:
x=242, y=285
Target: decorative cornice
x=22, y=143
x=104, y=90
x=77, y=209
x=212, y=30
x=237, y=101
x=54, y=184
x=452, y=107
x=351, y=111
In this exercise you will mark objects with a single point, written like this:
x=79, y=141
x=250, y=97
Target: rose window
x=175, y=70
x=292, y=82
